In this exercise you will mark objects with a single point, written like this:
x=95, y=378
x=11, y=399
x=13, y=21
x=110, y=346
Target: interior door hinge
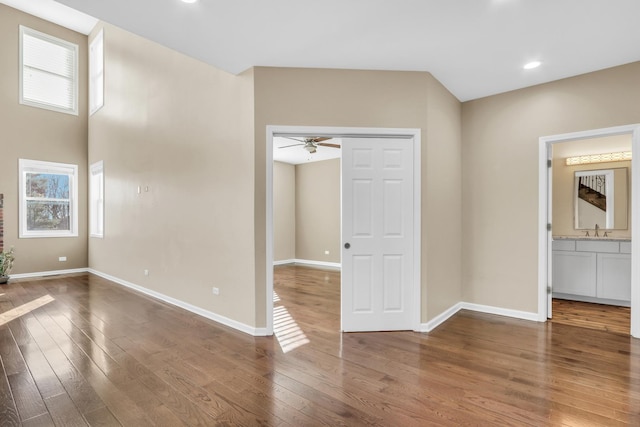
x=548, y=163
x=549, y=226
x=548, y=289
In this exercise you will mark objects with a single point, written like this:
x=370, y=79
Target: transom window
x=48, y=199
x=48, y=72
x=96, y=73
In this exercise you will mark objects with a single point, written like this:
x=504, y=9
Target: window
x=48, y=199
x=96, y=73
x=96, y=200
x=48, y=72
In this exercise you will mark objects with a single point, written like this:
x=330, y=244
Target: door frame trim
x=544, y=213
x=345, y=132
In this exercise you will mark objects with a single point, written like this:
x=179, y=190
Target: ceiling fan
x=311, y=144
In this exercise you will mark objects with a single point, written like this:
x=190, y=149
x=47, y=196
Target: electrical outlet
x=326, y=252
x=146, y=272
x=216, y=291
x=62, y=258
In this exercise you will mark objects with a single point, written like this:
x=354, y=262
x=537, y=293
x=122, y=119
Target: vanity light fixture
x=531, y=65
x=599, y=158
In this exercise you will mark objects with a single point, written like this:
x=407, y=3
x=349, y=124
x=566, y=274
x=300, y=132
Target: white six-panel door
x=377, y=234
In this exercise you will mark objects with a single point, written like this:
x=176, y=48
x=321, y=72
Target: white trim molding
x=440, y=318
x=498, y=311
x=48, y=273
x=309, y=262
x=258, y=332
x=284, y=262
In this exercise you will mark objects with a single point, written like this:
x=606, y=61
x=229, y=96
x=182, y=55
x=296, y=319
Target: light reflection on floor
x=289, y=334
x=28, y=307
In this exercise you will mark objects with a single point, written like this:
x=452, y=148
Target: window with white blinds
x=48, y=72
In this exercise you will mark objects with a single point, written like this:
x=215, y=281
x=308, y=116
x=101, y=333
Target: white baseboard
x=516, y=314
x=48, y=273
x=186, y=306
x=441, y=318
x=444, y=316
x=332, y=265
x=424, y=327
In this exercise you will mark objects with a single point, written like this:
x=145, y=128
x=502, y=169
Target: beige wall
x=184, y=130
x=500, y=174
x=284, y=211
x=38, y=134
x=441, y=202
x=564, y=195
x=315, y=97
x=318, y=211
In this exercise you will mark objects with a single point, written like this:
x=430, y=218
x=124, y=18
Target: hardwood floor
x=592, y=316
x=80, y=350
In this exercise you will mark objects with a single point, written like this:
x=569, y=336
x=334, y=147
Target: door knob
x=347, y=245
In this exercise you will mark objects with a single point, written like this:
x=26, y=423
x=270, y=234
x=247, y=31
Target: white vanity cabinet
x=592, y=270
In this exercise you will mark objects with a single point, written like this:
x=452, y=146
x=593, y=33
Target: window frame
x=96, y=73
x=96, y=204
x=62, y=43
x=37, y=166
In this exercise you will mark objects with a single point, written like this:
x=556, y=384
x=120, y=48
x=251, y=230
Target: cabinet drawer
x=625, y=247
x=595, y=246
x=563, y=245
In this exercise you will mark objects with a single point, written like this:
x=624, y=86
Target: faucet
x=596, y=233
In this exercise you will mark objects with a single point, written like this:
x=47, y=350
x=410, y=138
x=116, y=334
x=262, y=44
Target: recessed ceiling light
x=531, y=65
x=189, y=1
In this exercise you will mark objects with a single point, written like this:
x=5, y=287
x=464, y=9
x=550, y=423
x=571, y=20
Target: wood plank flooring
x=592, y=316
x=80, y=350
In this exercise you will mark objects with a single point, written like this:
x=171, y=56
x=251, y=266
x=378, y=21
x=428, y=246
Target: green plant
x=6, y=262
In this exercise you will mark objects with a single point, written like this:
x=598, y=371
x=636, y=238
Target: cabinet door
x=614, y=276
x=574, y=273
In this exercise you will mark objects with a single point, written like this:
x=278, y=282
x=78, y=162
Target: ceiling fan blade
x=324, y=144
x=295, y=139
x=320, y=139
x=292, y=145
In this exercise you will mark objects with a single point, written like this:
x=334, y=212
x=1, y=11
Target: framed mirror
x=601, y=197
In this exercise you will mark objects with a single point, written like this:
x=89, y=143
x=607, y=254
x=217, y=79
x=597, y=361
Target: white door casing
x=377, y=233
x=412, y=134
x=544, y=215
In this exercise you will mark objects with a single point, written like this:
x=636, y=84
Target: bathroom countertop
x=605, y=239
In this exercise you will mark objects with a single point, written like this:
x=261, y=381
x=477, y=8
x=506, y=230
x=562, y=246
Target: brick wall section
x=1, y=222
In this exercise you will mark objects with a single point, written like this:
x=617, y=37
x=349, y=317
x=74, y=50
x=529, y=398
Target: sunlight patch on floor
x=286, y=330
x=14, y=313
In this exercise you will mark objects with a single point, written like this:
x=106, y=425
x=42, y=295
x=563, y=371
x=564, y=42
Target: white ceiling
x=55, y=12
x=475, y=48
x=298, y=155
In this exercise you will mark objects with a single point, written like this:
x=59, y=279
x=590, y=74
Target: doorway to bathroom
x=586, y=228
